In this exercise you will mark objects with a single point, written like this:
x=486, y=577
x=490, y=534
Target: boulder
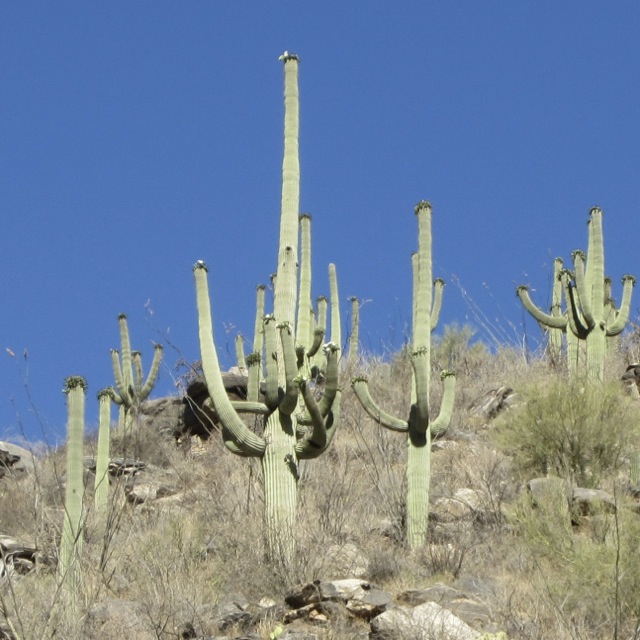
x=428, y=621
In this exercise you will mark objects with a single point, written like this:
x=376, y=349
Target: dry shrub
x=576, y=430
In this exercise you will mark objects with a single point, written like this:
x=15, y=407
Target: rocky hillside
x=533, y=522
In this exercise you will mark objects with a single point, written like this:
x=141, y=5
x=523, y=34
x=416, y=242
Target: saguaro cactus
x=289, y=433
x=101, y=493
x=69, y=569
x=418, y=426
x=131, y=388
x=590, y=314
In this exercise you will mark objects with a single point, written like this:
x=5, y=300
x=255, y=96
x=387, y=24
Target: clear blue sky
x=138, y=137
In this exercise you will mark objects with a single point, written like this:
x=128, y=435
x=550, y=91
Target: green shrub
x=575, y=430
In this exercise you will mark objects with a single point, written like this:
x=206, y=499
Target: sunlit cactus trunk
x=419, y=427
x=69, y=563
x=101, y=487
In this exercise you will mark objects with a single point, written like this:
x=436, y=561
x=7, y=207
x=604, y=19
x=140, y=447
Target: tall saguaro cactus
x=419, y=426
x=590, y=314
x=69, y=570
x=295, y=426
x=131, y=387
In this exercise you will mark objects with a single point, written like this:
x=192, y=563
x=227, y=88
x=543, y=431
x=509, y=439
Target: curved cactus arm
x=575, y=321
x=231, y=444
x=360, y=386
x=440, y=425
x=622, y=316
x=153, y=373
x=318, y=337
x=438, y=290
x=290, y=400
x=545, y=319
x=586, y=296
x=245, y=439
x=316, y=437
x=272, y=391
x=330, y=386
x=330, y=426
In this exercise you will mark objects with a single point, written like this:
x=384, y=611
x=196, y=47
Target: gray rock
x=587, y=502
x=428, y=621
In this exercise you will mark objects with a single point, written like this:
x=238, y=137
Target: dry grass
x=177, y=557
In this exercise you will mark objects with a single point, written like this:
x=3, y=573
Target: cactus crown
x=73, y=382
x=200, y=264
x=423, y=204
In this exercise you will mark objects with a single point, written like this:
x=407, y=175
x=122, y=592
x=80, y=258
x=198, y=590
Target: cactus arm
x=241, y=360
x=574, y=318
x=244, y=438
x=420, y=363
x=330, y=386
x=438, y=289
x=253, y=408
x=153, y=373
x=540, y=316
x=125, y=345
x=353, y=336
x=330, y=425
x=586, y=297
x=124, y=392
x=289, y=402
x=318, y=337
x=316, y=437
x=320, y=327
x=336, y=330
x=440, y=425
x=332, y=420
x=331, y=378
x=254, y=360
x=360, y=386
x=622, y=316
x=272, y=391
x=303, y=330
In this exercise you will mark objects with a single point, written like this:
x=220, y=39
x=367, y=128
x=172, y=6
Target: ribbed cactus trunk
x=419, y=441
x=69, y=567
x=101, y=491
x=419, y=427
x=279, y=466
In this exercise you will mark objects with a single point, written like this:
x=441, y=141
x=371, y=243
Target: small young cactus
x=131, y=389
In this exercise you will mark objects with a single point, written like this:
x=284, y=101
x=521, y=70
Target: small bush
x=575, y=430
